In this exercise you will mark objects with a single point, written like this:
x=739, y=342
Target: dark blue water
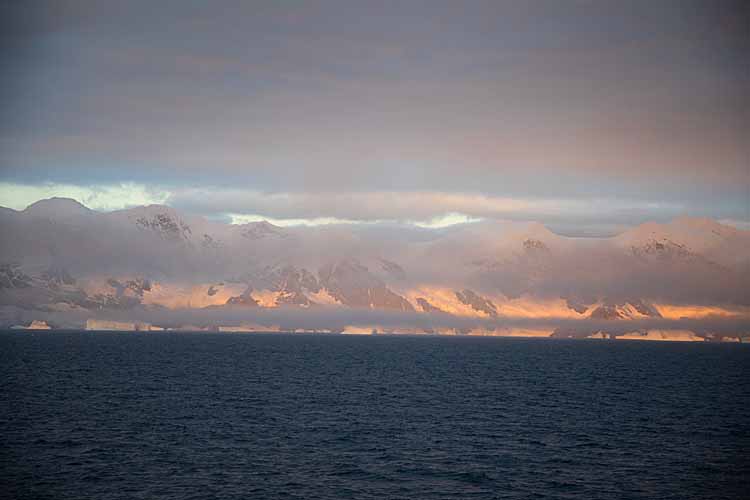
x=124, y=415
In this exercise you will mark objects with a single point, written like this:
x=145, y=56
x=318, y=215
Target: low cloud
x=697, y=262
x=588, y=216
x=102, y=197
x=427, y=208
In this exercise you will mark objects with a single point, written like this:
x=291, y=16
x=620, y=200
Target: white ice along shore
x=98, y=324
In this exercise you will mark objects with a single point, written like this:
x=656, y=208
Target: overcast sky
x=585, y=115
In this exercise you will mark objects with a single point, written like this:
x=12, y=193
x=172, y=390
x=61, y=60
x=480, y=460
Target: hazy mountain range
x=65, y=264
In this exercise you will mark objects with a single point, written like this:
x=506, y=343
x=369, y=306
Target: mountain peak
x=260, y=229
x=264, y=224
x=152, y=209
x=57, y=208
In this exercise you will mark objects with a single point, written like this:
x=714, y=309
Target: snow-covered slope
x=59, y=255
x=688, y=236
x=57, y=208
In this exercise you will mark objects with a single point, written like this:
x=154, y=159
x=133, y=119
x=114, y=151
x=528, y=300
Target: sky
x=588, y=116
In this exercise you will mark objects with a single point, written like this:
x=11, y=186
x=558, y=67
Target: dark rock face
x=393, y=269
x=532, y=246
x=425, y=305
x=606, y=312
x=290, y=278
x=477, y=302
x=577, y=305
x=347, y=281
x=12, y=277
x=663, y=249
x=293, y=298
x=208, y=242
x=352, y=284
x=645, y=308
x=127, y=294
x=259, y=230
x=611, y=310
x=137, y=286
x=246, y=299
x=292, y=284
x=165, y=226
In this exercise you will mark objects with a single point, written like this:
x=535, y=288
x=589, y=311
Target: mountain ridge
x=488, y=270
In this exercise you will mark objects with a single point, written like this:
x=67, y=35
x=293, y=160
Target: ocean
x=87, y=415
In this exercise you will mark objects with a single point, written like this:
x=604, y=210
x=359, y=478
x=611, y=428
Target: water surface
x=164, y=415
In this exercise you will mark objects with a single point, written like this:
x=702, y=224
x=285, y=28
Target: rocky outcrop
x=392, y=269
x=606, y=312
x=425, y=305
x=133, y=288
x=292, y=283
x=260, y=230
x=245, y=299
x=577, y=305
x=353, y=285
x=663, y=249
x=12, y=277
x=645, y=308
x=534, y=247
x=477, y=302
x=630, y=309
x=165, y=225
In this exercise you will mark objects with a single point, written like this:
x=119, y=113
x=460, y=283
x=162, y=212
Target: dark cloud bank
x=640, y=109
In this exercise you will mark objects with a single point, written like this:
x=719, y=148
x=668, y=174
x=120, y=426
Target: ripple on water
x=290, y=416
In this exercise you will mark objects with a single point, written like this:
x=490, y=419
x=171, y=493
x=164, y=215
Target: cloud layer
x=590, y=216
x=597, y=115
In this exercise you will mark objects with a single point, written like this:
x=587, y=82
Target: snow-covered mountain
x=58, y=208
x=57, y=256
x=687, y=237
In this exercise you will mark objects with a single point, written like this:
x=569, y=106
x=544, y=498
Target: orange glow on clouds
x=196, y=296
x=522, y=307
x=670, y=311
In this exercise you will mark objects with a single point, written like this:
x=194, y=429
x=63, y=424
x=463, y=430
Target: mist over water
x=110, y=416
